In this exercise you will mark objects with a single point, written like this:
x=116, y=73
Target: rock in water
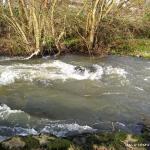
x=92, y=69
x=80, y=69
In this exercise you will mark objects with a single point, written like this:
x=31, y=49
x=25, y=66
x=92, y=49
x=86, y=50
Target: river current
x=73, y=95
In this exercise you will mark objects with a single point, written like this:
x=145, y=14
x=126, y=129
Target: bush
x=58, y=28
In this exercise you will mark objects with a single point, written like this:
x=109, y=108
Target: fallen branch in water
x=33, y=54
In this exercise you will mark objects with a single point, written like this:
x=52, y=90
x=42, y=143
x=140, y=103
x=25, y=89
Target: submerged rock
x=79, y=69
x=92, y=69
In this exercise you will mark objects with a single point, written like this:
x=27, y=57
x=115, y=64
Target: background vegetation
x=54, y=27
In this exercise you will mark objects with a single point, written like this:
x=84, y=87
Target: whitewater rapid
x=13, y=117
x=35, y=126
x=73, y=95
x=56, y=70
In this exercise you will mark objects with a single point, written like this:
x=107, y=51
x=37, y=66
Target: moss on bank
x=132, y=47
x=99, y=141
x=123, y=31
x=11, y=48
x=40, y=142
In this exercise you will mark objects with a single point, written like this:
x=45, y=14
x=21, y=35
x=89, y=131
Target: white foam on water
x=139, y=88
x=10, y=58
x=8, y=76
x=147, y=68
x=147, y=78
x=2, y=138
x=112, y=93
x=120, y=123
x=61, y=130
x=25, y=131
x=115, y=71
x=58, y=127
x=68, y=71
x=13, y=131
x=6, y=111
x=55, y=70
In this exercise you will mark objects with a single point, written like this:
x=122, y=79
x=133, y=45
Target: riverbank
x=99, y=141
x=57, y=29
x=135, y=48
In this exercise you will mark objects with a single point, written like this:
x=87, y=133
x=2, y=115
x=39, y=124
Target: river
x=73, y=95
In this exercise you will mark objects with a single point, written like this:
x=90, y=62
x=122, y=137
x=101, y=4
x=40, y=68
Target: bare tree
x=95, y=12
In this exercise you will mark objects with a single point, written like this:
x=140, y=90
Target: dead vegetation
x=55, y=26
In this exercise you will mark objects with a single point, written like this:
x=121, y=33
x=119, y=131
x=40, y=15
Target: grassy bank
x=116, y=140
x=101, y=141
x=107, y=141
x=135, y=47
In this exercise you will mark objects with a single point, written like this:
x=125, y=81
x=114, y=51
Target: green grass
x=71, y=41
x=133, y=47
